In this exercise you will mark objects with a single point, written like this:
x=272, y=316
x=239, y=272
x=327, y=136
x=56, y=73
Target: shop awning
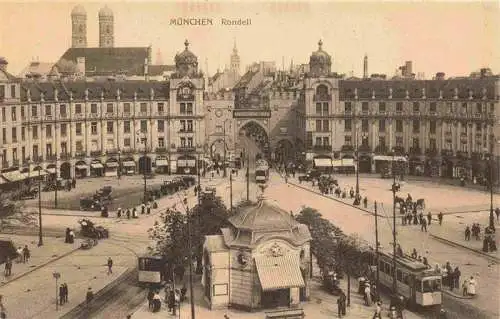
x=388, y=158
x=191, y=163
x=14, y=176
x=337, y=163
x=112, y=164
x=162, y=162
x=348, y=162
x=128, y=164
x=51, y=170
x=322, y=162
x=96, y=165
x=35, y=173
x=81, y=166
x=279, y=272
x=181, y=163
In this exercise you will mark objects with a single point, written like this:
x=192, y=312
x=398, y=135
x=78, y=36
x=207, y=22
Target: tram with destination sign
x=150, y=269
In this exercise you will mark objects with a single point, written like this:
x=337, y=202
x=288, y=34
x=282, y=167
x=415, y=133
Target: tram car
x=150, y=270
x=419, y=285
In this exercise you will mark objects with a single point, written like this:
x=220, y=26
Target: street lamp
x=224, y=139
x=56, y=276
x=490, y=164
x=119, y=164
x=395, y=188
x=144, y=162
x=40, y=237
x=357, y=163
x=57, y=185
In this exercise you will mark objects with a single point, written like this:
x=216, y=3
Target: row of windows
x=12, y=91
x=416, y=124
x=416, y=107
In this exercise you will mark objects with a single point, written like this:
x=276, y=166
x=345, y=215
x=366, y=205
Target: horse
x=399, y=200
x=420, y=203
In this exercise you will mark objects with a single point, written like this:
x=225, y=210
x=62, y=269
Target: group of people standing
x=173, y=298
x=63, y=294
x=23, y=255
x=132, y=213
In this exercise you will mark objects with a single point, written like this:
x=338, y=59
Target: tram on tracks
x=150, y=270
x=419, y=285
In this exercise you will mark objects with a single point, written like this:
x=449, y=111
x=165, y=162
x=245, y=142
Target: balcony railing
x=37, y=159
x=347, y=148
x=380, y=149
x=65, y=156
x=80, y=154
x=364, y=148
x=322, y=97
x=323, y=148
x=399, y=150
x=95, y=153
x=112, y=151
x=476, y=156
x=185, y=97
x=186, y=149
x=161, y=150
x=127, y=151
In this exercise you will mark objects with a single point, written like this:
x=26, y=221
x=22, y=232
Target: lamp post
x=57, y=185
x=190, y=259
x=119, y=165
x=490, y=164
x=357, y=163
x=376, y=247
x=394, y=189
x=144, y=163
x=40, y=237
x=56, y=276
x=224, y=139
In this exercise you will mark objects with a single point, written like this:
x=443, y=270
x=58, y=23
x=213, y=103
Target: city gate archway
x=284, y=151
x=257, y=133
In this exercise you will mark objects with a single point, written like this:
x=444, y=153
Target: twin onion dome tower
x=79, y=27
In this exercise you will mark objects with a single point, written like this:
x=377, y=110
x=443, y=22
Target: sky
x=452, y=37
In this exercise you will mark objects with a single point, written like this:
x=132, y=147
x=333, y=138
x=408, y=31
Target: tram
x=419, y=285
x=150, y=269
x=261, y=171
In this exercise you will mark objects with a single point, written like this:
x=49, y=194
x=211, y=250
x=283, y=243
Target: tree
x=12, y=214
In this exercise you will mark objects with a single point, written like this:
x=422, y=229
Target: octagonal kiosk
x=261, y=261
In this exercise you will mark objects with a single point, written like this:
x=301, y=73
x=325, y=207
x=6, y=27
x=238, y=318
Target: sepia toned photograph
x=249, y=159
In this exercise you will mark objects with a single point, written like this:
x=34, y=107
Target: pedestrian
x=71, y=236
x=61, y=294
x=378, y=311
x=497, y=212
x=73, y=182
x=368, y=297
x=171, y=301
x=20, y=255
x=151, y=294
x=128, y=213
x=66, y=292
x=465, y=287
x=134, y=212
x=66, y=238
x=89, y=297
x=456, y=277
x=110, y=266
x=26, y=254
x=339, y=307
x=421, y=218
x=429, y=218
x=414, y=254
x=471, y=289
x=183, y=293
x=143, y=208
x=8, y=267
x=467, y=233
x=148, y=208
x=424, y=225
x=119, y=212
x=343, y=298
x=399, y=251
x=440, y=218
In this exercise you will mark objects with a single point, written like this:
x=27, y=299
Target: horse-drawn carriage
x=52, y=184
x=90, y=230
x=90, y=204
x=325, y=182
x=331, y=276
x=409, y=204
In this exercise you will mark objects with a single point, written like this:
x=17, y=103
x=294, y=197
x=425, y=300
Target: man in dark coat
x=61, y=294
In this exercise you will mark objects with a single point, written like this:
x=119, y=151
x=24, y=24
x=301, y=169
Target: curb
x=449, y=293
x=81, y=308
x=26, y=231
x=452, y=243
x=40, y=266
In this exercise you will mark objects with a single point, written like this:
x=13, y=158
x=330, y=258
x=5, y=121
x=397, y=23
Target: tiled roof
x=245, y=79
x=9, y=76
x=159, y=69
x=263, y=217
x=432, y=88
x=42, y=68
x=109, y=61
x=95, y=89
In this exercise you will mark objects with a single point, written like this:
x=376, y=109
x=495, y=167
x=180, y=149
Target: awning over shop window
x=128, y=164
x=191, y=163
x=348, y=162
x=111, y=164
x=14, y=176
x=181, y=163
x=96, y=165
x=322, y=162
x=279, y=272
x=388, y=158
x=162, y=162
x=51, y=170
x=337, y=163
x=81, y=166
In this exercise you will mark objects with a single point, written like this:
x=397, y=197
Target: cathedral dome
x=78, y=10
x=105, y=12
x=320, y=56
x=186, y=56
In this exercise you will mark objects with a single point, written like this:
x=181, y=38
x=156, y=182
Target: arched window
x=322, y=90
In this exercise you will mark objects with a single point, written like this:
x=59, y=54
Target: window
x=432, y=144
x=64, y=129
x=399, y=107
x=381, y=142
x=399, y=141
x=190, y=142
x=182, y=108
x=35, y=151
x=2, y=93
x=23, y=153
x=183, y=126
x=64, y=148
x=35, y=132
x=416, y=126
x=416, y=107
x=189, y=108
x=34, y=111
x=109, y=108
x=347, y=140
x=326, y=126
x=381, y=125
x=325, y=108
x=189, y=125
x=432, y=127
x=78, y=129
x=48, y=110
x=13, y=114
x=109, y=127
x=318, y=125
x=23, y=114
x=14, y=135
x=62, y=110
x=318, y=108
x=364, y=107
x=464, y=107
x=161, y=108
x=381, y=107
x=93, y=108
x=126, y=142
x=126, y=107
x=161, y=126
x=161, y=142
x=4, y=117
x=399, y=275
x=126, y=127
x=449, y=107
x=318, y=141
x=183, y=142
x=429, y=285
x=78, y=109
x=399, y=126
x=143, y=107
x=4, y=137
x=48, y=131
x=144, y=126
x=416, y=142
x=479, y=108
x=93, y=128
x=13, y=91
x=23, y=133
x=348, y=107
x=347, y=125
x=364, y=125
x=433, y=107
x=48, y=149
x=14, y=154
x=326, y=141
x=79, y=146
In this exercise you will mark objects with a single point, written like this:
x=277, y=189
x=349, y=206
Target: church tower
x=235, y=61
x=78, y=27
x=365, y=67
x=106, y=28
